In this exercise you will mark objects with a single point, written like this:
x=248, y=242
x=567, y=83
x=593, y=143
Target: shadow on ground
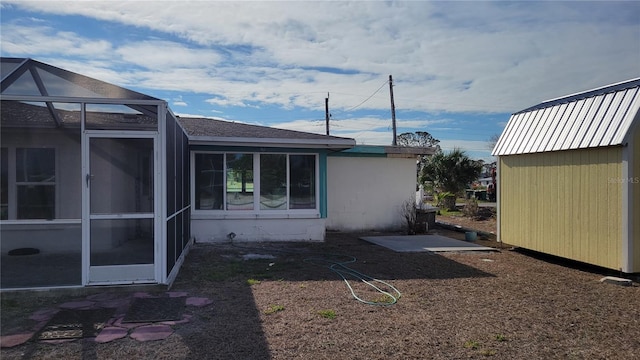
x=232, y=327
x=224, y=271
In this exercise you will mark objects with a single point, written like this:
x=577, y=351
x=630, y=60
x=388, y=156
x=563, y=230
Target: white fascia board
x=71, y=99
x=271, y=142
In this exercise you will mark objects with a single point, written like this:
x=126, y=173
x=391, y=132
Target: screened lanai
x=94, y=181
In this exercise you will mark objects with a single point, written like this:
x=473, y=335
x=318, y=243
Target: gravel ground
x=504, y=305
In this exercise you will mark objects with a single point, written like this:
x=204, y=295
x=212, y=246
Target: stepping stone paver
x=8, y=341
x=77, y=305
x=119, y=323
x=43, y=315
x=199, y=301
x=111, y=333
x=142, y=294
x=102, y=297
x=185, y=319
x=151, y=332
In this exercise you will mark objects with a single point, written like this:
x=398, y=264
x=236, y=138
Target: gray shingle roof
x=211, y=131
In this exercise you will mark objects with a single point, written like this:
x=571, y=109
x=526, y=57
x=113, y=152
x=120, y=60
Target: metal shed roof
x=594, y=118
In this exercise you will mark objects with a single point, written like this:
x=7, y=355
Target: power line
x=367, y=99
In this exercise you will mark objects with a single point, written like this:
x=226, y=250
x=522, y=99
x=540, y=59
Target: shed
x=569, y=177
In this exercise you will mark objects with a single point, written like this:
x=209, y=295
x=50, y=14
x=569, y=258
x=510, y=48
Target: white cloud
x=451, y=56
x=19, y=40
x=162, y=55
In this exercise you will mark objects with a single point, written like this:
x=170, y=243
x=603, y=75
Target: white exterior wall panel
x=367, y=193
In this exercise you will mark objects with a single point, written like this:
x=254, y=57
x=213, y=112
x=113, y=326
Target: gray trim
x=272, y=142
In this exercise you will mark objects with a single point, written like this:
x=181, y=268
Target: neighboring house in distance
x=569, y=177
x=101, y=185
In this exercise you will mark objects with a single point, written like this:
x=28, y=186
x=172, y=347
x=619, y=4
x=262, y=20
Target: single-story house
x=257, y=183
x=101, y=185
x=569, y=177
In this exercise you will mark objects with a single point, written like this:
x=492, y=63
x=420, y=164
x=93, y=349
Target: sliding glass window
x=283, y=182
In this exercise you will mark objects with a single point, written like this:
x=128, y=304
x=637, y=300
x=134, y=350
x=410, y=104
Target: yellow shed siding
x=636, y=200
x=564, y=203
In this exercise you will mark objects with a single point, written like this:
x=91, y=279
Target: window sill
x=40, y=224
x=225, y=215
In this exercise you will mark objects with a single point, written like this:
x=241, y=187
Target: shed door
x=122, y=217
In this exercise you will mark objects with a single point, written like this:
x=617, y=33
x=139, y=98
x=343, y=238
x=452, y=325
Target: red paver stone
x=152, y=332
x=57, y=341
x=114, y=303
x=177, y=294
x=102, y=297
x=111, y=333
x=185, y=319
x=119, y=323
x=8, y=341
x=142, y=295
x=37, y=327
x=76, y=305
x=199, y=301
x=44, y=314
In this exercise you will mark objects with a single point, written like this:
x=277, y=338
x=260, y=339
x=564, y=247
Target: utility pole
x=393, y=112
x=326, y=112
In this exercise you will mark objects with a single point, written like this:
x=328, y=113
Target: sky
x=459, y=69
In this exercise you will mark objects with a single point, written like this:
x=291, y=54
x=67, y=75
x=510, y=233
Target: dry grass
x=502, y=305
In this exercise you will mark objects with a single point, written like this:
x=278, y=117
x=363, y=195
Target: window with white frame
x=255, y=182
x=30, y=175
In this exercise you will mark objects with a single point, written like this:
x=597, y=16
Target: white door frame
x=120, y=274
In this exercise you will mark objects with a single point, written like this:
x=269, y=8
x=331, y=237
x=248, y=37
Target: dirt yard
x=503, y=305
x=485, y=221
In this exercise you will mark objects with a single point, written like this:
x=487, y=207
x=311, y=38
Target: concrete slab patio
x=421, y=243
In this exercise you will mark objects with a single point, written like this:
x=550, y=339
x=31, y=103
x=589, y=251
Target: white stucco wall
x=366, y=193
x=207, y=229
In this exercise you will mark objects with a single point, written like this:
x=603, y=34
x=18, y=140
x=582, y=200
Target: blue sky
x=459, y=68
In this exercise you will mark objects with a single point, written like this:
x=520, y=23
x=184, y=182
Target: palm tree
x=450, y=172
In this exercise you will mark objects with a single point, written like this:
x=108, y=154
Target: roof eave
x=273, y=142
x=409, y=151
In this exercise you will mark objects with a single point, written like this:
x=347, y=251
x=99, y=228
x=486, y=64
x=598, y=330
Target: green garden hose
x=391, y=295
